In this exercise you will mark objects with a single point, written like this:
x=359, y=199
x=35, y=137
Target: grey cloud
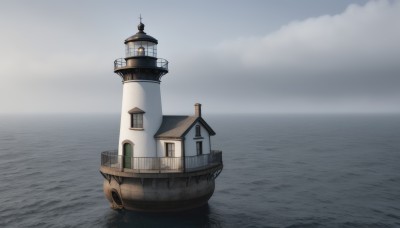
x=347, y=63
x=61, y=60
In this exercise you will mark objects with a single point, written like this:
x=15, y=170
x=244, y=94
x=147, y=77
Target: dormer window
x=136, y=118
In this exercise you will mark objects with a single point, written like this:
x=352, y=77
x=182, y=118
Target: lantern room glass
x=141, y=48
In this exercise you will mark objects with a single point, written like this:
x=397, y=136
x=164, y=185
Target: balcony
x=160, y=63
x=112, y=160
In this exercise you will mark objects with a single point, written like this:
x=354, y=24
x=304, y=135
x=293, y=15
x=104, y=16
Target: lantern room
x=141, y=44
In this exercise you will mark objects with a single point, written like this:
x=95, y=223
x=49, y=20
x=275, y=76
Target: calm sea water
x=279, y=171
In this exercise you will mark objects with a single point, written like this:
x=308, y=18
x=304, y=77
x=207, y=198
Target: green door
x=128, y=153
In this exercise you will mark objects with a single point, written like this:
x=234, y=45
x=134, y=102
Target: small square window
x=136, y=120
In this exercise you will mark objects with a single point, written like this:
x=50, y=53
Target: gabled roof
x=178, y=126
x=136, y=110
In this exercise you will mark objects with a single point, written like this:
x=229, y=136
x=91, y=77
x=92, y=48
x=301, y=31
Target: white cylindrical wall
x=146, y=96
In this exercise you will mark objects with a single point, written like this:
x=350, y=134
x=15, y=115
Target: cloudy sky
x=232, y=56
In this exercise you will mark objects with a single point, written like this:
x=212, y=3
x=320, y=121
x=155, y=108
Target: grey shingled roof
x=178, y=126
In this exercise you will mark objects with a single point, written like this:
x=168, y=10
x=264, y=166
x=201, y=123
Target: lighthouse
x=141, y=113
x=162, y=162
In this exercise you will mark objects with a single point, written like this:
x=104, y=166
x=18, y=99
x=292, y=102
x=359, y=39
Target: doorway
x=128, y=154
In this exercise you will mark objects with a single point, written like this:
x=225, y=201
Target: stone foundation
x=159, y=192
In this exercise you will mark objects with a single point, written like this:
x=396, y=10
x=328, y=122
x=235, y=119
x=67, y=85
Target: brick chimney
x=197, y=110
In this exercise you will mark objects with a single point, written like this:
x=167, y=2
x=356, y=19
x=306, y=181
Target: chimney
x=197, y=110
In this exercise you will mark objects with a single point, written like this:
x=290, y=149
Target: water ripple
x=289, y=172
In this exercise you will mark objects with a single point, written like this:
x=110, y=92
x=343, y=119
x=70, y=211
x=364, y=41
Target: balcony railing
x=160, y=63
x=160, y=164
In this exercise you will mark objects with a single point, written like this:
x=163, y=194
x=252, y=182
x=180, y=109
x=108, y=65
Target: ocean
x=279, y=171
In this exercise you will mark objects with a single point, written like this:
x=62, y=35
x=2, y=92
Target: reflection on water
x=199, y=217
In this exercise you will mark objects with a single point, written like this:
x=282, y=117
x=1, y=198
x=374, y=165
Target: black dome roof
x=141, y=36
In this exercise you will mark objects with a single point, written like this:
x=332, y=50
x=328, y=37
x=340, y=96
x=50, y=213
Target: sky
x=272, y=56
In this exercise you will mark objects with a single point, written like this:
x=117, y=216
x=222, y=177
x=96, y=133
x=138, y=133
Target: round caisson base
x=159, y=193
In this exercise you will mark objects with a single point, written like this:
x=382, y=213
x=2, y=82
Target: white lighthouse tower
x=163, y=163
x=141, y=113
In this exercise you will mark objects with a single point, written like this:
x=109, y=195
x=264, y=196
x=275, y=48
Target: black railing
x=160, y=164
x=162, y=63
x=121, y=63
x=111, y=159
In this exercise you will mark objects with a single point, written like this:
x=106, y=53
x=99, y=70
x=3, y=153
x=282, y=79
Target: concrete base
x=159, y=192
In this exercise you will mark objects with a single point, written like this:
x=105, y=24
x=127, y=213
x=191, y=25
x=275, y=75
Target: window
x=169, y=149
x=199, y=148
x=198, y=131
x=141, y=48
x=136, y=120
